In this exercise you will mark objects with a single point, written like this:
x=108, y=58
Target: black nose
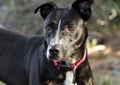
x=53, y=52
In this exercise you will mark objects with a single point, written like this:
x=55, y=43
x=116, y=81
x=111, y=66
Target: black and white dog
x=58, y=57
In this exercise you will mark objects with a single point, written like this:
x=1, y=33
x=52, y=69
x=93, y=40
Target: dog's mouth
x=70, y=66
x=63, y=64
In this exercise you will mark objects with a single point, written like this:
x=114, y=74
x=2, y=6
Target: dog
x=58, y=57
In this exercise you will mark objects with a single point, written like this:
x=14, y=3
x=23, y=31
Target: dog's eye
x=71, y=28
x=48, y=28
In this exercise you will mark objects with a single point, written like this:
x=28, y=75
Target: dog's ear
x=83, y=7
x=45, y=9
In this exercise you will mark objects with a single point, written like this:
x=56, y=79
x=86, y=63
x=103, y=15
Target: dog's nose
x=53, y=52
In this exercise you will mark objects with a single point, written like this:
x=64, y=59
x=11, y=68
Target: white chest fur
x=69, y=78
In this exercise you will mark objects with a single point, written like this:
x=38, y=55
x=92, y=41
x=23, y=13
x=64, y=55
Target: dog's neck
x=81, y=76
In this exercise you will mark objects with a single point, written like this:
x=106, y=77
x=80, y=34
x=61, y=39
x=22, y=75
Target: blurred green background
x=104, y=32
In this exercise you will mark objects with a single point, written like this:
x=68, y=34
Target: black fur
x=45, y=9
x=84, y=8
x=23, y=60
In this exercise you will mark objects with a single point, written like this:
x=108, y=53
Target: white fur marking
x=47, y=53
x=58, y=31
x=49, y=47
x=69, y=78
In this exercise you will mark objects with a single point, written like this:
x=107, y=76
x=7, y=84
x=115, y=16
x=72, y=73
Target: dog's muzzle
x=54, y=53
x=73, y=67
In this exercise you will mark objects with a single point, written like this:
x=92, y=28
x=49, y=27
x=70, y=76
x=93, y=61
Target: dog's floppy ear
x=45, y=9
x=83, y=7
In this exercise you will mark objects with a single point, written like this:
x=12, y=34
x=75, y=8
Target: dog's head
x=65, y=29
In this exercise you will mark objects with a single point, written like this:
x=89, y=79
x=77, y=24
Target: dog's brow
x=51, y=23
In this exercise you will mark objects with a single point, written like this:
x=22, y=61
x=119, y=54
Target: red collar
x=74, y=67
x=80, y=61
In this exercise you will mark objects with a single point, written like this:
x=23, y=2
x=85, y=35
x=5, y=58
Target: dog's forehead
x=65, y=14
